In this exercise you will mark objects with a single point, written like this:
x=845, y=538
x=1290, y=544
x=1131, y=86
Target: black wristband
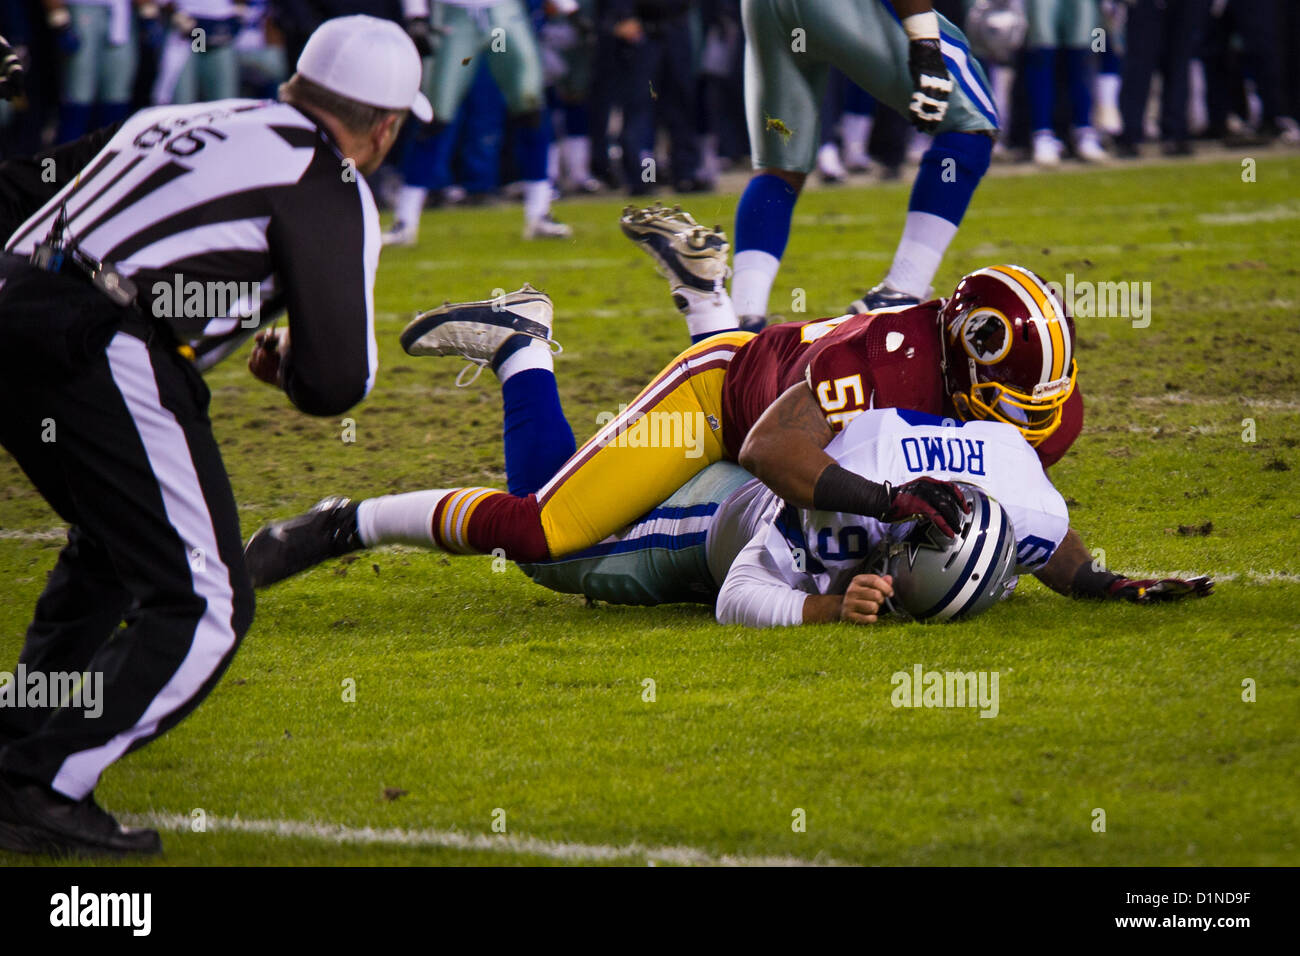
x=839, y=489
x=1088, y=583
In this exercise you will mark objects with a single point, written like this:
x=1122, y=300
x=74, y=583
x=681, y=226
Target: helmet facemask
x=1003, y=331
x=1035, y=415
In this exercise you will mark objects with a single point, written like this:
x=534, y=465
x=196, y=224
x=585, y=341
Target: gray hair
x=356, y=117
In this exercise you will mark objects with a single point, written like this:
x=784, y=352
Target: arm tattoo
x=800, y=414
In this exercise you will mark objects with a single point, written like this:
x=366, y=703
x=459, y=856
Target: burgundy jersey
x=852, y=363
x=1051, y=448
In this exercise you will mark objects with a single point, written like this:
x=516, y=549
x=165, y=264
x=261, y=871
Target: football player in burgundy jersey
x=897, y=359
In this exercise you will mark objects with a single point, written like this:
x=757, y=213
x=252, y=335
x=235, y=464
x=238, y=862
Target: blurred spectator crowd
x=632, y=81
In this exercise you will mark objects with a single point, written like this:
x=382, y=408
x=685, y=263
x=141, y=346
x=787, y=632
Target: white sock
x=1003, y=79
x=753, y=272
x=577, y=158
x=537, y=200
x=409, y=206
x=399, y=519
x=855, y=130
x=1198, y=115
x=1108, y=89
x=553, y=162
x=925, y=240
x=536, y=354
x=710, y=164
x=706, y=312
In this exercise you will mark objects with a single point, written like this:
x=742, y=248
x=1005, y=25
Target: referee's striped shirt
x=236, y=191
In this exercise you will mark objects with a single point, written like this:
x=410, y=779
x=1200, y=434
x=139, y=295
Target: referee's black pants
x=122, y=448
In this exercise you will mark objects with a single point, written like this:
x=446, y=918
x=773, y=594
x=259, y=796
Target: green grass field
x=478, y=691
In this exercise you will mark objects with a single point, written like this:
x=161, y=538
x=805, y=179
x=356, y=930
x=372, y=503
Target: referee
x=107, y=413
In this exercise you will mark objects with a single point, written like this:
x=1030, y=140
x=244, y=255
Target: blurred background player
x=259, y=52
x=919, y=65
x=97, y=41
x=198, y=60
x=568, y=44
x=1250, y=49
x=1163, y=36
x=1243, y=90
x=723, y=139
x=1106, y=116
x=657, y=77
x=455, y=36
x=997, y=31
x=846, y=127
x=1064, y=28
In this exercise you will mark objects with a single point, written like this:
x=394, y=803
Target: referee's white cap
x=369, y=60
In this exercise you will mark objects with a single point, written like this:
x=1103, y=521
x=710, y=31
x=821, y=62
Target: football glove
x=929, y=498
x=11, y=71
x=1153, y=591
x=931, y=85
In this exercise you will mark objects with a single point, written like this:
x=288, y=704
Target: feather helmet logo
x=986, y=336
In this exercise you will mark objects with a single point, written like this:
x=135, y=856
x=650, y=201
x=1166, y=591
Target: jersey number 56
x=842, y=399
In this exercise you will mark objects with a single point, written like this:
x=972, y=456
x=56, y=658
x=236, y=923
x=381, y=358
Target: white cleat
x=685, y=253
x=882, y=298
x=1109, y=120
x=1290, y=135
x=1047, y=149
x=547, y=228
x=477, y=330
x=400, y=235
x=857, y=161
x=1087, y=146
x=829, y=164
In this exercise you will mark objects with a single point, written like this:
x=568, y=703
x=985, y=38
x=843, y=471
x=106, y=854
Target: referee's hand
x=266, y=361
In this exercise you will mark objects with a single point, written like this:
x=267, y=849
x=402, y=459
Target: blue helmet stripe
x=1002, y=540
x=967, y=570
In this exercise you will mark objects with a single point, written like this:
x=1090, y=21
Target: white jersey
x=746, y=511
x=804, y=551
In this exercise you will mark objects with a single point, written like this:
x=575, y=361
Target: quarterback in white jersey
x=802, y=552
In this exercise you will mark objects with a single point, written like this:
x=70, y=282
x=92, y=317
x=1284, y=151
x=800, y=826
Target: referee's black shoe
x=36, y=819
x=284, y=548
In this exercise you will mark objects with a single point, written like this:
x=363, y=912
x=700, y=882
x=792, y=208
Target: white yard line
x=1273, y=213
x=1189, y=398
x=1248, y=577
x=472, y=842
x=501, y=266
x=21, y=534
